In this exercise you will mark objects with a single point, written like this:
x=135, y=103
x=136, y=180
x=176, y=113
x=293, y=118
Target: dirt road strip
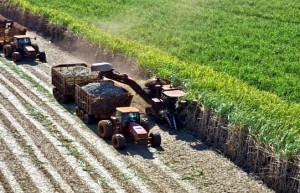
x=46, y=163
x=90, y=183
x=89, y=136
x=40, y=181
x=9, y=177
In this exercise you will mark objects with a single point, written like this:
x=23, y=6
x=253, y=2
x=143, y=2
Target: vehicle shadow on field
x=182, y=135
x=24, y=61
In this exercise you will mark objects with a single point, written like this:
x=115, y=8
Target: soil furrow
x=7, y=179
x=127, y=174
x=38, y=178
x=18, y=165
x=102, y=175
x=35, y=154
x=50, y=146
x=37, y=72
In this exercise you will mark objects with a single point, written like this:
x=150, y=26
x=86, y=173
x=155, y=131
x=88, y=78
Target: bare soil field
x=45, y=147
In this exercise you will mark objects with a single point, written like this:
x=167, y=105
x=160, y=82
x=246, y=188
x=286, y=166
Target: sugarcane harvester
x=163, y=97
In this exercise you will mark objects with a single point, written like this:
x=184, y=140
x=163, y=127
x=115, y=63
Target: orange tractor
x=127, y=126
x=16, y=43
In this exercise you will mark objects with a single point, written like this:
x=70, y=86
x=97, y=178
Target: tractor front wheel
x=118, y=141
x=155, y=139
x=105, y=129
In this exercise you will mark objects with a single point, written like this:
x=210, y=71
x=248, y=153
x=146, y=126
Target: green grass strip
x=263, y=114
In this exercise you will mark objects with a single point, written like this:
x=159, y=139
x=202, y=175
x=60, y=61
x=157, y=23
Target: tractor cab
x=21, y=41
x=170, y=96
x=126, y=115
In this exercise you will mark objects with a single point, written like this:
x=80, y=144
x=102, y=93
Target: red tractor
x=22, y=46
x=127, y=126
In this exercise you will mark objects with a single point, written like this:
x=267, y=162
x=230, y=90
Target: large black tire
x=7, y=51
x=16, y=56
x=155, y=139
x=105, y=129
x=42, y=56
x=118, y=141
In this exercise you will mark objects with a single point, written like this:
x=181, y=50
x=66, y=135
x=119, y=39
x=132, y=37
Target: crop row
x=272, y=119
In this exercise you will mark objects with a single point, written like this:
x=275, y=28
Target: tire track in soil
x=35, y=154
x=7, y=179
x=158, y=182
x=50, y=146
x=108, y=162
x=17, y=167
x=165, y=177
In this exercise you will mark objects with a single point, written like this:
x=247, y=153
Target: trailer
x=66, y=76
x=101, y=105
x=8, y=29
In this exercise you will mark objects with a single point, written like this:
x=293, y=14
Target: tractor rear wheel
x=7, y=51
x=42, y=56
x=105, y=129
x=155, y=139
x=16, y=56
x=118, y=141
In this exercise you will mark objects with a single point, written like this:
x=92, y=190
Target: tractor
x=22, y=46
x=127, y=126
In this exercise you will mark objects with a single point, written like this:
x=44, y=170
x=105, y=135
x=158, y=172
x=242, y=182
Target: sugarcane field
x=151, y=96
